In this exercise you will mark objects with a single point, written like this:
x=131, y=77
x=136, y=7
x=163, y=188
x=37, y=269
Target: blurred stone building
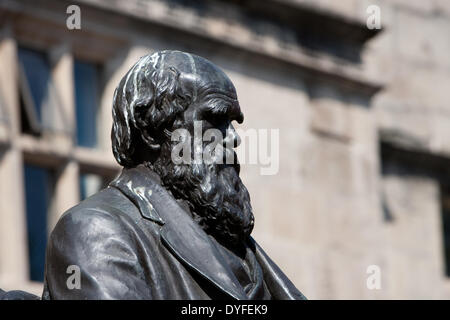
x=363, y=187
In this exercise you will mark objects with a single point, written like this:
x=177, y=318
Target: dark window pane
x=37, y=71
x=27, y=125
x=445, y=210
x=38, y=185
x=86, y=100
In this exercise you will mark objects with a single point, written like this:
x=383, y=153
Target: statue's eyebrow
x=228, y=109
x=215, y=92
x=225, y=103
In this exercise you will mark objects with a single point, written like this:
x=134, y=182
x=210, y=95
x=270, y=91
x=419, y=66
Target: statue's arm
x=105, y=251
x=17, y=295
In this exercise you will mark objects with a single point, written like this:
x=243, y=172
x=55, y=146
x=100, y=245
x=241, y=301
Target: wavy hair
x=146, y=103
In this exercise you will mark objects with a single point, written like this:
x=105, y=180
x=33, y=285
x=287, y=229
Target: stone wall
x=338, y=203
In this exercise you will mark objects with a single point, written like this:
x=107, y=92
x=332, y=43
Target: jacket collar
x=179, y=232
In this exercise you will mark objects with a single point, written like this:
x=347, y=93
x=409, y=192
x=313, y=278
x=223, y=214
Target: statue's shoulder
x=108, y=209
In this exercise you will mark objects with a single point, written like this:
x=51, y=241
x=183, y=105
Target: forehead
x=211, y=78
x=208, y=82
x=200, y=72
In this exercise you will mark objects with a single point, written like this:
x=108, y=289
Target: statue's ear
x=141, y=117
x=157, y=106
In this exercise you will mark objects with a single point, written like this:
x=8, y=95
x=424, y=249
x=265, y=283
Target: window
x=407, y=178
x=445, y=210
x=86, y=101
x=3, y=116
x=34, y=84
x=91, y=183
x=38, y=191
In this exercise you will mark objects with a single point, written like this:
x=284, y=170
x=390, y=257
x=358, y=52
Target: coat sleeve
x=93, y=254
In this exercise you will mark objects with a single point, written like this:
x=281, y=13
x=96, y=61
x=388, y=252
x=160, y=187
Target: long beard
x=217, y=197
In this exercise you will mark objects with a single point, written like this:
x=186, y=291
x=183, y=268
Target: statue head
x=173, y=91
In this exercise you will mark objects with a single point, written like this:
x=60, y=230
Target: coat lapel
x=179, y=232
x=281, y=288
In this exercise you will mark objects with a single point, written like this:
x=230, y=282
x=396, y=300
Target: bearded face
x=217, y=197
x=171, y=90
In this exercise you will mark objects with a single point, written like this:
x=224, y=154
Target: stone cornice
x=315, y=64
x=208, y=26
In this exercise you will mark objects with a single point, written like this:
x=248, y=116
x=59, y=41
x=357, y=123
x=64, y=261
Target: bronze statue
x=166, y=230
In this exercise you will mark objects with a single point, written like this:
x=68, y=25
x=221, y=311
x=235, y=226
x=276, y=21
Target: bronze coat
x=133, y=240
